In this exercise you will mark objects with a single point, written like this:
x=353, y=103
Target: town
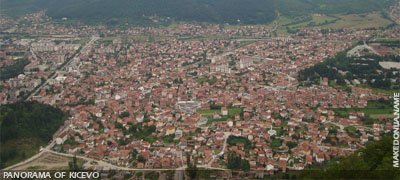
x=154, y=97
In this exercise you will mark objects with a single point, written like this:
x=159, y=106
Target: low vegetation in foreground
x=375, y=161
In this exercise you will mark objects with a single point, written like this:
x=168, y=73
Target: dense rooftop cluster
x=152, y=103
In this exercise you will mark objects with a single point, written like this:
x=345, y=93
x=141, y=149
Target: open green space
x=369, y=20
x=209, y=80
x=139, y=132
x=386, y=91
x=208, y=113
x=307, y=21
x=169, y=139
x=275, y=143
x=335, y=21
x=373, y=108
x=369, y=74
x=234, y=140
x=352, y=131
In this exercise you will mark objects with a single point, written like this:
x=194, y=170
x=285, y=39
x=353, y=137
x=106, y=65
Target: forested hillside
x=138, y=11
x=343, y=70
x=304, y=7
x=375, y=161
x=13, y=70
x=24, y=127
x=214, y=11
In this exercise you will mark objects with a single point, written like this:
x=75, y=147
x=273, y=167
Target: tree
x=153, y=175
x=13, y=70
x=73, y=165
x=141, y=159
x=235, y=162
x=134, y=154
x=291, y=144
x=124, y=114
x=192, y=170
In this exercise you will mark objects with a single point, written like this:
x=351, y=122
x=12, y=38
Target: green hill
x=138, y=11
x=213, y=11
x=304, y=7
x=24, y=127
x=372, y=162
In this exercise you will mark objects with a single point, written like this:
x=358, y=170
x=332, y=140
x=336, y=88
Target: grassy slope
x=24, y=148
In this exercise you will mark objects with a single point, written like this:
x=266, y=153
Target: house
x=320, y=158
x=169, y=130
x=224, y=111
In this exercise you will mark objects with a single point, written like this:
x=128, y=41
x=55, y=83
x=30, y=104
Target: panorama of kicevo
x=199, y=89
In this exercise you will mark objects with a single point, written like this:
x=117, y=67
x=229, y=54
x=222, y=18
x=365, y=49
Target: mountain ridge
x=211, y=11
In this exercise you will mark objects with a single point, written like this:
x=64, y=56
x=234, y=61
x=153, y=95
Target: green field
x=370, y=20
x=373, y=108
x=335, y=21
x=310, y=21
x=386, y=91
x=208, y=113
x=275, y=143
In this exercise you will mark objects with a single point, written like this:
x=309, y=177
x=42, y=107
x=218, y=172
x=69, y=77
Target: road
x=329, y=147
x=85, y=47
x=34, y=55
x=98, y=162
x=226, y=135
x=370, y=48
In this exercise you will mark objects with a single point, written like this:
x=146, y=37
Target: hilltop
x=165, y=11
